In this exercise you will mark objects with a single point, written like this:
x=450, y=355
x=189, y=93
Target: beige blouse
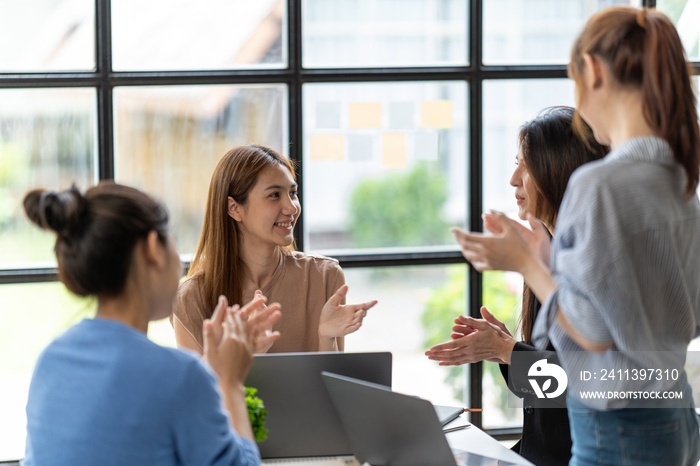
x=302, y=283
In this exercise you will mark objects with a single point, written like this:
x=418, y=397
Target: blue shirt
x=104, y=394
x=626, y=260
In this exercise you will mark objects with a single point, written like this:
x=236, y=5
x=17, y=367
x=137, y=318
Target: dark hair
x=218, y=256
x=96, y=232
x=643, y=51
x=552, y=150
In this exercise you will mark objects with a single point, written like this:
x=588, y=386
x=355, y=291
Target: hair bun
x=63, y=212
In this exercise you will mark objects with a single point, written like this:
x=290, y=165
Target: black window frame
x=294, y=76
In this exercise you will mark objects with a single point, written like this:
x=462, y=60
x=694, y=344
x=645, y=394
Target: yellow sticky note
x=327, y=147
x=365, y=115
x=436, y=114
x=394, y=151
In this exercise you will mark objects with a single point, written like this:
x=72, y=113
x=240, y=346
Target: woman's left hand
x=338, y=320
x=475, y=340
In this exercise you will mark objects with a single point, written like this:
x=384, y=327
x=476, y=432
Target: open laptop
x=387, y=428
x=301, y=419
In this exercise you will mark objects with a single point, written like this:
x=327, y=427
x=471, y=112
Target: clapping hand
x=507, y=246
x=262, y=317
x=228, y=348
x=475, y=340
x=232, y=335
x=338, y=320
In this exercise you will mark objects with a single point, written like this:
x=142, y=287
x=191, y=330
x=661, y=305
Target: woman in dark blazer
x=550, y=151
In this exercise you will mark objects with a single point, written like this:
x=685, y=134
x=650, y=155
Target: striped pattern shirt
x=626, y=259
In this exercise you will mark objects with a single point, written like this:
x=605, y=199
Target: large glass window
x=380, y=33
x=47, y=35
x=168, y=139
x=385, y=164
x=47, y=139
x=524, y=32
x=206, y=34
x=507, y=105
x=425, y=300
x=685, y=15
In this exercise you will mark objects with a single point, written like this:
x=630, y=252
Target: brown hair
x=218, y=255
x=551, y=151
x=643, y=50
x=96, y=232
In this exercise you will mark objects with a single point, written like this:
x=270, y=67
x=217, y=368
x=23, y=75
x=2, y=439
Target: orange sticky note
x=365, y=115
x=327, y=147
x=394, y=151
x=436, y=114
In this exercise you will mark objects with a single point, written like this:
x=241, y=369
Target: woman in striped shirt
x=620, y=282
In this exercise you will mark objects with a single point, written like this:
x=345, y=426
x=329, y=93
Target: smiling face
x=525, y=192
x=271, y=210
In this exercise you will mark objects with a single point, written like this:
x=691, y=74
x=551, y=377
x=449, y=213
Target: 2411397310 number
x=639, y=374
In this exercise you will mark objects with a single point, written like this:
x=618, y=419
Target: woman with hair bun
x=620, y=286
x=103, y=393
x=247, y=247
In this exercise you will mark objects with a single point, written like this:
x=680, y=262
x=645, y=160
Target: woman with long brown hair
x=549, y=152
x=621, y=282
x=246, y=247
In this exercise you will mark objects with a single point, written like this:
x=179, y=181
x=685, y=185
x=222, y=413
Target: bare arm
x=513, y=247
x=231, y=384
x=228, y=349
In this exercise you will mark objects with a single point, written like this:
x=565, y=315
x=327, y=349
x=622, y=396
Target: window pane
x=385, y=165
x=507, y=105
x=522, y=32
x=685, y=14
x=31, y=326
x=47, y=139
x=381, y=33
x=206, y=34
x=415, y=311
x=47, y=35
x=502, y=296
x=169, y=139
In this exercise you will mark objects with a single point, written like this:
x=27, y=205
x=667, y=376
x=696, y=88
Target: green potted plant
x=257, y=413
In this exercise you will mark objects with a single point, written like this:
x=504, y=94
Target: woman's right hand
x=229, y=341
x=475, y=340
x=260, y=317
x=487, y=317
